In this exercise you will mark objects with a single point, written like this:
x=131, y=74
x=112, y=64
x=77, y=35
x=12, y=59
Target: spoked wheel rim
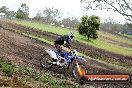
x=75, y=72
x=46, y=61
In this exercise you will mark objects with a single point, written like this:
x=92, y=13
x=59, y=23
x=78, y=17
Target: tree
x=23, y=12
x=38, y=17
x=66, y=22
x=3, y=9
x=127, y=29
x=123, y=7
x=74, y=22
x=70, y=23
x=51, y=15
x=89, y=26
x=20, y=14
x=111, y=26
x=8, y=14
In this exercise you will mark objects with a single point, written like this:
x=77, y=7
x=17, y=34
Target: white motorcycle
x=52, y=58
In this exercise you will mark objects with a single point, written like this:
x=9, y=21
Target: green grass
x=99, y=43
x=7, y=68
x=115, y=37
x=106, y=46
x=43, y=27
x=25, y=75
x=40, y=38
x=130, y=36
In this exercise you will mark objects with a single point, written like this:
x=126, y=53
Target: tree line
x=52, y=16
x=49, y=16
x=88, y=26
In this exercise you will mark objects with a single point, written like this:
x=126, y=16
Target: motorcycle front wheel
x=75, y=71
x=45, y=61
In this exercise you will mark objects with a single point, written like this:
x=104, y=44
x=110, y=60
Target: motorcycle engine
x=63, y=61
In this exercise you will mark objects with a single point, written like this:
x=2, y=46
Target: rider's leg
x=59, y=48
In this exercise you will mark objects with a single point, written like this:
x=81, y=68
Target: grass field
x=126, y=35
x=116, y=38
x=99, y=43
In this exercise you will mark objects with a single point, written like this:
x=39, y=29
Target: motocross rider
x=64, y=40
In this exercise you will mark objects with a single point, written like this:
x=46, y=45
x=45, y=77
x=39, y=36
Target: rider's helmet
x=71, y=35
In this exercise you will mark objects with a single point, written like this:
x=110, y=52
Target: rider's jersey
x=63, y=40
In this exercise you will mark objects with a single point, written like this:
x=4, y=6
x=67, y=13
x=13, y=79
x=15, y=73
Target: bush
x=30, y=72
x=89, y=26
x=0, y=25
x=44, y=78
x=8, y=69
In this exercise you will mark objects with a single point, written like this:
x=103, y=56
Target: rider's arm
x=66, y=42
x=68, y=45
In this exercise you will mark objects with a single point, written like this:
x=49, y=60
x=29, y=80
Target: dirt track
x=24, y=51
x=20, y=49
x=86, y=49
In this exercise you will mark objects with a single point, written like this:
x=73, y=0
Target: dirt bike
x=52, y=58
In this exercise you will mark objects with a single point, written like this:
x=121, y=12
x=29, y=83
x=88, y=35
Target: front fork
x=81, y=71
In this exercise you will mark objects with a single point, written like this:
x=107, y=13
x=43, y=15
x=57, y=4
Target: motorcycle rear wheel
x=45, y=61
